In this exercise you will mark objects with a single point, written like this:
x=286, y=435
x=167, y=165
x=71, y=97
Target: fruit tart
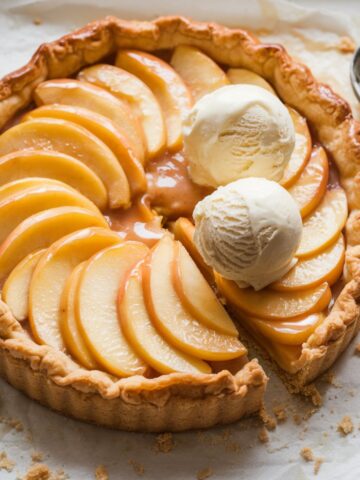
x=111, y=311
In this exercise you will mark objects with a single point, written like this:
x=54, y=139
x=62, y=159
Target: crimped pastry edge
x=173, y=402
x=329, y=117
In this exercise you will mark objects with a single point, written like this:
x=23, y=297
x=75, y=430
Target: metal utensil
x=355, y=73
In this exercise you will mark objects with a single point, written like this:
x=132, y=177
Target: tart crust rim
x=329, y=116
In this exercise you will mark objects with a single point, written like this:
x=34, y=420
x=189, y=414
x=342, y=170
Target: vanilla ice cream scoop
x=235, y=132
x=249, y=231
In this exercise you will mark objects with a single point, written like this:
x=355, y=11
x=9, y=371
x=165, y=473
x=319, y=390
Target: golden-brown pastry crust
x=178, y=402
x=173, y=402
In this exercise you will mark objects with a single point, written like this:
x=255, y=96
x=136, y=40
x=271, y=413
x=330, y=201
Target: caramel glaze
x=170, y=194
x=170, y=189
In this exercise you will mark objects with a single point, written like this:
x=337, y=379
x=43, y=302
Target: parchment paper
x=223, y=453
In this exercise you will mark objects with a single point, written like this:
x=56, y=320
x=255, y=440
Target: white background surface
x=233, y=452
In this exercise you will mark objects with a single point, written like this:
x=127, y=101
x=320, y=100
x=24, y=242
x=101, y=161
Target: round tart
x=108, y=312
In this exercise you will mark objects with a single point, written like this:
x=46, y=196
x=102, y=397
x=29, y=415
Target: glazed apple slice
x=106, y=131
x=301, y=152
x=83, y=94
x=326, y=266
x=69, y=138
x=323, y=226
x=286, y=332
x=274, y=305
x=199, y=72
x=310, y=188
x=50, y=276
x=171, y=319
x=41, y=230
x=15, y=291
x=15, y=208
x=183, y=231
x=17, y=186
x=138, y=96
x=71, y=335
x=242, y=75
x=96, y=308
x=167, y=86
x=204, y=305
x=144, y=338
x=57, y=166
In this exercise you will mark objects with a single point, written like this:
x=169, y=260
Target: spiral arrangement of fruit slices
x=116, y=305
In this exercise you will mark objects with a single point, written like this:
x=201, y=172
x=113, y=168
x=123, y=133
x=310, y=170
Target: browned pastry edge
x=173, y=402
x=180, y=401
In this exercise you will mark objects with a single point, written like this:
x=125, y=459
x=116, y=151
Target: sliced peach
x=50, y=276
x=15, y=208
x=242, y=75
x=170, y=318
x=129, y=88
x=41, y=230
x=69, y=138
x=15, y=292
x=322, y=227
x=310, y=188
x=274, y=305
x=326, y=266
x=144, y=338
x=199, y=72
x=167, y=86
x=183, y=231
x=71, y=335
x=106, y=131
x=301, y=152
x=57, y=166
x=97, y=316
x=288, y=332
x=204, y=305
x=83, y=94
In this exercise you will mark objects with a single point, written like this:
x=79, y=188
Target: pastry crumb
x=39, y=471
x=280, y=413
x=346, y=426
x=101, y=473
x=164, y=443
x=137, y=467
x=263, y=435
x=317, y=465
x=314, y=394
x=204, y=473
x=307, y=454
x=37, y=21
x=346, y=45
x=330, y=378
x=269, y=421
x=6, y=463
x=297, y=419
x=14, y=423
x=357, y=349
x=37, y=457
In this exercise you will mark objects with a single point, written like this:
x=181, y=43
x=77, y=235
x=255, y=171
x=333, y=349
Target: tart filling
x=98, y=260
